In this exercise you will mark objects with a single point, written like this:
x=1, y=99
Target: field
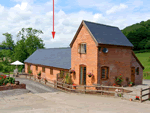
x=145, y=60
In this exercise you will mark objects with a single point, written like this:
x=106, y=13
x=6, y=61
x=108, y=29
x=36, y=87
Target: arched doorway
x=82, y=79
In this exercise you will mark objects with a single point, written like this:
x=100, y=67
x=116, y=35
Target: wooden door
x=133, y=74
x=82, y=75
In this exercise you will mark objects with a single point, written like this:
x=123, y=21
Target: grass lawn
x=145, y=60
x=148, y=77
x=7, y=73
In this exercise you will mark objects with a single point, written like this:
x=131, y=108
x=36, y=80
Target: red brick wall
x=45, y=74
x=89, y=59
x=138, y=78
x=118, y=59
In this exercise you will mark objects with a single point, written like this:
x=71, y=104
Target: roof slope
x=104, y=34
x=55, y=57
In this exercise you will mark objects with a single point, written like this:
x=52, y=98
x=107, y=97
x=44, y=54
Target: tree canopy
x=28, y=43
x=139, y=35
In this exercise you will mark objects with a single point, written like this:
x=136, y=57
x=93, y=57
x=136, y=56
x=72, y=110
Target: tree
x=32, y=40
x=8, y=46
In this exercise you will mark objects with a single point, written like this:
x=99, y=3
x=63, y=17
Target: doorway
x=133, y=74
x=82, y=75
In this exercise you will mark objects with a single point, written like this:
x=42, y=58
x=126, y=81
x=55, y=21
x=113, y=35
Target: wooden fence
x=100, y=89
x=142, y=95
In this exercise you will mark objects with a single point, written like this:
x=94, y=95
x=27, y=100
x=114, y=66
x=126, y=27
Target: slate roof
x=105, y=34
x=55, y=57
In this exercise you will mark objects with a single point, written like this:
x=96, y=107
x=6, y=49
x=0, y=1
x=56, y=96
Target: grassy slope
x=145, y=60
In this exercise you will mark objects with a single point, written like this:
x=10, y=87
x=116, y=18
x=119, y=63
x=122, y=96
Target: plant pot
x=130, y=85
x=39, y=77
x=74, y=87
x=17, y=82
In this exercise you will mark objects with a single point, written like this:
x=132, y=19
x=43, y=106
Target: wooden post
x=122, y=91
x=141, y=95
x=56, y=84
x=149, y=92
x=84, y=89
x=101, y=90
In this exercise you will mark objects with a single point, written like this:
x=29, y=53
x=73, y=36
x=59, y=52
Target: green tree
x=32, y=40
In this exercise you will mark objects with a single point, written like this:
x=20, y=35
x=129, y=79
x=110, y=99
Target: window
x=82, y=48
x=99, y=48
x=37, y=68
x=137, y=70
x=104, y=72
x=43, y=69
x=51, y=71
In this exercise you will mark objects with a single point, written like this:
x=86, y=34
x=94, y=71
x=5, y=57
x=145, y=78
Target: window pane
x=85, y=48
x=82, y=48
x=107, y=73
x=103, y=73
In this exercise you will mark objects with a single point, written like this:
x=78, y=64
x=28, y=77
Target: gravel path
x=69, y=103
x=35, y=87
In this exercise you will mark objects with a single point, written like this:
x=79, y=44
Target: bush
x=68, y=79
x=4, y=80
x=61, y=74
x=30, y=71
x=119, y=80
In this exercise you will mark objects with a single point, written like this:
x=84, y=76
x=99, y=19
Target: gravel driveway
x=35, y=87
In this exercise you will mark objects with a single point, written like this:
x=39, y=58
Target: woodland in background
x=28, y=42
x=139, y=35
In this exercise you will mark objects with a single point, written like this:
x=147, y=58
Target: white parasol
x=17, y=63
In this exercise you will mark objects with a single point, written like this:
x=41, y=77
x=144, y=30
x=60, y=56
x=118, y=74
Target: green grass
x=145, y=60
x=148, y=77
x=8, y=73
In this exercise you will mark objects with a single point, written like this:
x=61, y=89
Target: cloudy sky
x=17, y=14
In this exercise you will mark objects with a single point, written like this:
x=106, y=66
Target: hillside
x=136, y=26
x=139, y=35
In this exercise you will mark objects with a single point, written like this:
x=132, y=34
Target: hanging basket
x=71, y=71
x=90, y=75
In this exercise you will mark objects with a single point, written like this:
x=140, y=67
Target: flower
x=74, y=84
x=114, y=84
x=137, y=97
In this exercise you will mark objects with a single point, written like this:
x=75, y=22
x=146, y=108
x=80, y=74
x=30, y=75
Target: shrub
x=39, y=74
x=119, y=80
x=61, y=74
x=68, y=79
x=30, y=71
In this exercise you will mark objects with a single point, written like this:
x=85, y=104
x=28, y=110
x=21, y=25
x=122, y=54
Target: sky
x=38, y=14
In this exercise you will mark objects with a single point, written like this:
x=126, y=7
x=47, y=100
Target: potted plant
x=39, y=75
x=45, y=80
x=131, y=83
x=137, y=98
x=74, y=86
x=119, y=80
x=90, y=74
x=114, y=84
x=30, y=72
